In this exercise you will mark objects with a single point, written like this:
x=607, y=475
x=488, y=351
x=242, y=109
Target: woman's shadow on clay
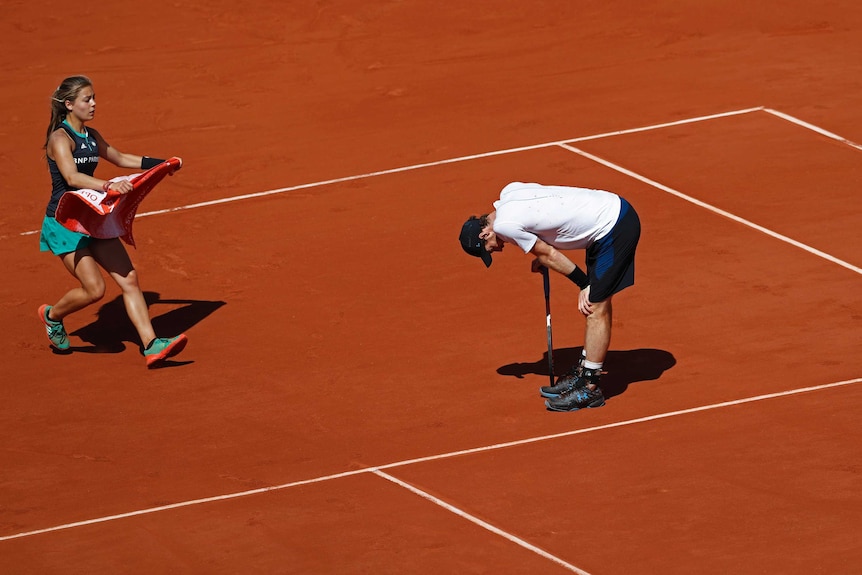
x=622, y=367
x=113, y=329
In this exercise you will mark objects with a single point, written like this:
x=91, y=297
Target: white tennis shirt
x=564, y=217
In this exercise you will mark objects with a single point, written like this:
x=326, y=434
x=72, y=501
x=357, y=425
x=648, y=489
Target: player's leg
x=84, y=268
x=597, y=334
x=597, y=340
x=112, y=255
x=584, y=390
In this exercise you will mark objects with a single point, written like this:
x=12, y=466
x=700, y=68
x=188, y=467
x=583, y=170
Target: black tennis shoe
x=583, y=392
x=576, y=399
x=568, y=382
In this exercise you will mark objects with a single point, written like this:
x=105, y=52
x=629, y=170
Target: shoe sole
x=176, y=347
x=563, y=409
x=42, y=317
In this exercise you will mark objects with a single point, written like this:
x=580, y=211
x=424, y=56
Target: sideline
x=432, y=164
x=376, y=469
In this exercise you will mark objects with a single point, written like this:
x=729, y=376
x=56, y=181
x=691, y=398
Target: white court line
x=488, y=155
x=812, y=127
x=432, y=164
x=479, y=522
x=515, y=443
x=668, y=124
x=713, y=209
x=434, y=458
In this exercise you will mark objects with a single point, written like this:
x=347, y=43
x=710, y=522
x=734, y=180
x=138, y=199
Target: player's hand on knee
x=584, y=305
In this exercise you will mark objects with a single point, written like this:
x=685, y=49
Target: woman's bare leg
x=112, y=256
x=84, y=267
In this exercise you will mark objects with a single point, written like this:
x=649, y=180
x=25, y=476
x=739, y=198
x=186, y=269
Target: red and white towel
x=110, y=214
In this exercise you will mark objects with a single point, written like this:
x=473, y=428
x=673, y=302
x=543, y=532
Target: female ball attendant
x=73, y=151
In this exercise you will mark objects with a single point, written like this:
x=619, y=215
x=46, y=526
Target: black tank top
x=86, y=156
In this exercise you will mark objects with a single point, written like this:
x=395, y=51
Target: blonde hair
x=67, y=90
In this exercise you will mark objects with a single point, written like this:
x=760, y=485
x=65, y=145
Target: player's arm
x=552, y=258
x=60, y=150
x=125, y=160
x=115, y=156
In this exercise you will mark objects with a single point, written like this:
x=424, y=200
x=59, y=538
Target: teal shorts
x=58, y=240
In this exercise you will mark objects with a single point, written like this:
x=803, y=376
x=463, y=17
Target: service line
x=483, y=524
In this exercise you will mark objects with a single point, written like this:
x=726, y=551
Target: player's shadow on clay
x=113, y=328
x=622, y=367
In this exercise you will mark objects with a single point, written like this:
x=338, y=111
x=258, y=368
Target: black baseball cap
x=471, y=242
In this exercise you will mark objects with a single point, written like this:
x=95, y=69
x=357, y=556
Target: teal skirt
x=58, y=240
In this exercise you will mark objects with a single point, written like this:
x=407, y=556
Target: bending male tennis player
x=547, y=220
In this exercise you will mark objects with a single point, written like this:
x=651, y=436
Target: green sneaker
x=162, y=348
x=55, y=330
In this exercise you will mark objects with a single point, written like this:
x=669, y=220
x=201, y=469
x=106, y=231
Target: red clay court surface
x=358, y=396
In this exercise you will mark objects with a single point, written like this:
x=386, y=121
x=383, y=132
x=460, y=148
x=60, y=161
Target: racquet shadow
x=112, y=328
x=621, y=367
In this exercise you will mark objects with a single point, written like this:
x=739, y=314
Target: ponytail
x=67, y=90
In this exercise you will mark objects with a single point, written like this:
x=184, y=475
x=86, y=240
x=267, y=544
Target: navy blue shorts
x=611, y=260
